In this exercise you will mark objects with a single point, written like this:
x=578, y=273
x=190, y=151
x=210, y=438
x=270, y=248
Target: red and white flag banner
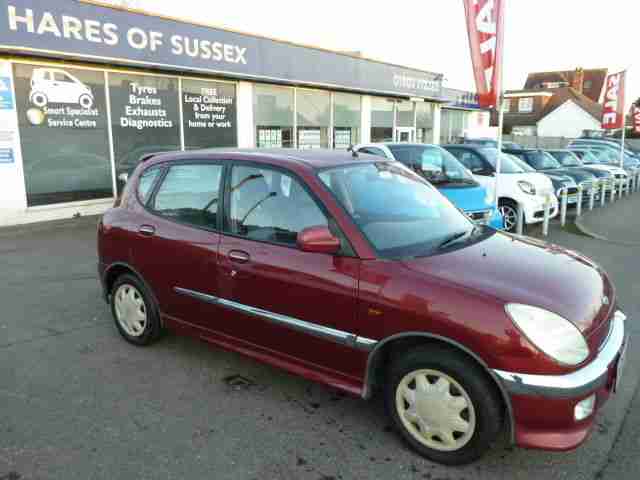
x=485, y=21
x=613, y=112
x=635, y=113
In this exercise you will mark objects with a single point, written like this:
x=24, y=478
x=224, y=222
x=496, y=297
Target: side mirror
x=318, y=240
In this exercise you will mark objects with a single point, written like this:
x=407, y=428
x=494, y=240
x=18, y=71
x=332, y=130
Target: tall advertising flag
x=613, y=113
x=635, y=113
x=485, y=20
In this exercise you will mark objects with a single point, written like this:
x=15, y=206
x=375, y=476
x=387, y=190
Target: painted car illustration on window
x=52, y=85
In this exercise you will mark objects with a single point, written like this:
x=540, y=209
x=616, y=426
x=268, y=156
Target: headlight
x=527, y=187
x=555, y=336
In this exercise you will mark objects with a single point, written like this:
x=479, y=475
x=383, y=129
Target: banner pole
x=624, y=130
x=499, y=159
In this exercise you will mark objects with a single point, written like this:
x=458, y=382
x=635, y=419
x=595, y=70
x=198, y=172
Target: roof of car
x=315, y=159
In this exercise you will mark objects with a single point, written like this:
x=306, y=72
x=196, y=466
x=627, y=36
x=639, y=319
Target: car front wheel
x=509, y=212
x=39, y=99
x=443, y=405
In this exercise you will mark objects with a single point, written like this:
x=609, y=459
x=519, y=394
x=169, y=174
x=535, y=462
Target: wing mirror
x=318, y=240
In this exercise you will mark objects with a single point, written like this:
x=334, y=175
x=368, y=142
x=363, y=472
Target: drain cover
x=238, y=382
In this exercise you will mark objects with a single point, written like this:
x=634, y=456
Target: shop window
x=145, y=118
x=269, y=206
x=189, y=194
x=381, y=119
x=405, y=116
x=209, y=114
x=63, y=133
x=346, y=120
x=313, y=118
x=273, y=114
x=424, y=122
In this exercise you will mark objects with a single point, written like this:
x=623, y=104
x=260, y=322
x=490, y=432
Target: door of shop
x=405, y=134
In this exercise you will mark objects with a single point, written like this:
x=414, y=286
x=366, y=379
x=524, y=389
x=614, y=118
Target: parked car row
x=353, y=270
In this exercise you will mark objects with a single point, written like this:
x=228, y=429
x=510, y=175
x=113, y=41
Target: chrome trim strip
x=320, y=331
x=576, y=384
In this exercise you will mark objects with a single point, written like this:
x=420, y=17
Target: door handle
x=147, y=230
x=239, y=256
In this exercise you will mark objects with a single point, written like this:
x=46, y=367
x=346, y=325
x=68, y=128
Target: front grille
x=619, y=175
x=539, y=214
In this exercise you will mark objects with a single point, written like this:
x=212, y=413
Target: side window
x=472, y=161
x=190, y=194
x=270, y=206
x=146, y=182
x=61, y=77
x=373, y=151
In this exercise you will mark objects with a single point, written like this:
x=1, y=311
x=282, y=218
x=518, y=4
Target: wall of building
x=569, y=120
x=60, y=158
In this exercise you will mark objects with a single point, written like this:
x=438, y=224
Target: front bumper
x=534, y=209
x=543, y=405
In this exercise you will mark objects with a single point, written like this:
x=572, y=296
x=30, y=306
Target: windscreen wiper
x=454, y=237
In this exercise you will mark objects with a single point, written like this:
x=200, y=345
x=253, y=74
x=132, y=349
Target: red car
x=355, y=272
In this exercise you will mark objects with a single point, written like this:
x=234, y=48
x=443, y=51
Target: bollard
x=628, y=185
x=579, y=201
x=520, y=221
x=637, y=180
x=632, y=181
x=563, y=206
x=614, y=185
x=545, y=221
x=621, y=187
x=592, y=196
x=603, y=193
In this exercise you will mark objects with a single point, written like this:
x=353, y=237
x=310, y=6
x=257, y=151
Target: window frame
x=165, y=167
x=346, y=248
x=529, y=100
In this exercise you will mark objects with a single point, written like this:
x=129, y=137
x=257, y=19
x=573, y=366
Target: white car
x=517, y=187
x=600, y=159
x=52, y=85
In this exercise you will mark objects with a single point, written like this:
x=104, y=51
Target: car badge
x=605, y=300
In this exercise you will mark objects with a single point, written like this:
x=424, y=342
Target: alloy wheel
x=510, y=216
x=436, y=410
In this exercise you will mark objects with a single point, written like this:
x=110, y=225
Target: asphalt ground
x=77, y=402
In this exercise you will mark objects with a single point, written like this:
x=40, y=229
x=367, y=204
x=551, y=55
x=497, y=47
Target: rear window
x=146, y=182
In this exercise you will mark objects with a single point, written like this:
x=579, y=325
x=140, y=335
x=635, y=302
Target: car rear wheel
x=39, y=99
x=134, y=311
x=509, y=212
x=85, y=101
x=443, y=405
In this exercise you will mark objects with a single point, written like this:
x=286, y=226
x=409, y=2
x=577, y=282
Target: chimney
x=577, y=82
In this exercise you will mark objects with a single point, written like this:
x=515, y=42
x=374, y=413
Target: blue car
x=447, y=174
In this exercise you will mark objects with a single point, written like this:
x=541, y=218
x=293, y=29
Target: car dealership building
x=87, y=89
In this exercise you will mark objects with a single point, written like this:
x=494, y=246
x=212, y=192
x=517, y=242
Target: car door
x=176, y=246
x=295, y=303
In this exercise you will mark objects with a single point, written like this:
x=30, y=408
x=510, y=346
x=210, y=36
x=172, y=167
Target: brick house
x=556, y=104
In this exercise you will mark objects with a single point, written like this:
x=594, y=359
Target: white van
x=52, y=85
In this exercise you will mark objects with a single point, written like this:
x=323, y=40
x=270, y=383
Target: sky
x=540, y=35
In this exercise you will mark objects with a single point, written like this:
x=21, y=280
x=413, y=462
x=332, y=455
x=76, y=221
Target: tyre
x=85, y=101
x=443, y=405
x=509, y=211
x=39, y=99
x=134, y=311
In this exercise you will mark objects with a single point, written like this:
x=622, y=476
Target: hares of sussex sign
x=102, y=34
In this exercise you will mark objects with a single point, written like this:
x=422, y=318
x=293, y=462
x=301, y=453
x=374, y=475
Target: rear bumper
x=557, y=395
